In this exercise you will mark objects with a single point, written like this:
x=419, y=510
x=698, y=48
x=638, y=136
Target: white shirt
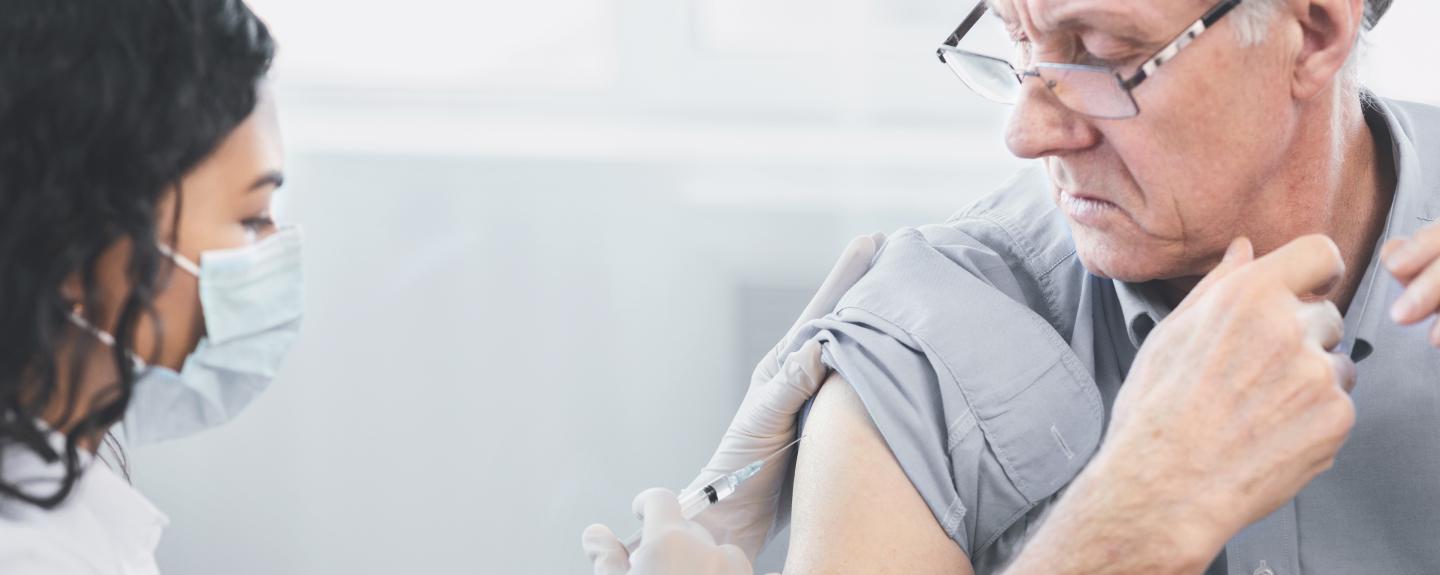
x=105, y=526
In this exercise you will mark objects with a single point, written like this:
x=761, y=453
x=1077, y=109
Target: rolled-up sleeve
x=983, y=404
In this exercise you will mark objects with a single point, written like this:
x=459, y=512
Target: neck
x=80, y=387
x=1338, y=180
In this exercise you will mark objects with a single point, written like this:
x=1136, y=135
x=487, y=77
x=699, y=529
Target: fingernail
x=1402, y=308
x=1402, y=256
x=1232, y=249
x=1389, y=261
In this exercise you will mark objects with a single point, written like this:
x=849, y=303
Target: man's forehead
x=1136, y=18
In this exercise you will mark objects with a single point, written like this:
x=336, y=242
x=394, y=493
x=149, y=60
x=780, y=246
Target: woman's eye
x=258, y=224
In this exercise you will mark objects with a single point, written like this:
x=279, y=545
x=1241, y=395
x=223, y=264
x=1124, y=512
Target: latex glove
x=670, y=546
x=765, y=423
x=766, y=420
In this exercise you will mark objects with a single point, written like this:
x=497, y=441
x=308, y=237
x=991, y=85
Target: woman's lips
x=1087, y=210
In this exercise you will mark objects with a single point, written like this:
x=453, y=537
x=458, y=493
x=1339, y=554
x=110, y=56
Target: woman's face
x=224, y=203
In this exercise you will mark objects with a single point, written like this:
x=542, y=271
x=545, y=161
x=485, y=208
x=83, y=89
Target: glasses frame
x=1153, y=63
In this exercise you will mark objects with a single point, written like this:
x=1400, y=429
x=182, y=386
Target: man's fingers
x=1388, y=250
x=1323, y=323
x=1344, y=371
x=1308, y=266
x=607, y=555
x=1407, y=257
x=1239, y=253
x=1421, y=297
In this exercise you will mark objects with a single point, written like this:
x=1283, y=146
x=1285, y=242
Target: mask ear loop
x=182, y=262
x=103, y=336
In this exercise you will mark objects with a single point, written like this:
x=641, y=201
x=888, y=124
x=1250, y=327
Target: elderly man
x=1117, y=292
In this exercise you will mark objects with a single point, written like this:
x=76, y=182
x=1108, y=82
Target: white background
x=547, y=241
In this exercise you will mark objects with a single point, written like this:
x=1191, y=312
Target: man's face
x=1160, y=195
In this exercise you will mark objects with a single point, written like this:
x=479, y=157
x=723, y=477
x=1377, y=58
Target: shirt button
x=1263, y=569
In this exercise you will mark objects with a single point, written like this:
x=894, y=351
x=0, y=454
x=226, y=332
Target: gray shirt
x=989, y=359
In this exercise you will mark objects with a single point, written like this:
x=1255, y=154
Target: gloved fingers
x=854, y=262
x=798, y=381
x=769, y=407
x=606, y=553
x=734, y=560
x=769, y=365
x=660, y=510
x=806, y=370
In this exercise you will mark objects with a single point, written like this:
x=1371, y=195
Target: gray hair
x=1254, y=17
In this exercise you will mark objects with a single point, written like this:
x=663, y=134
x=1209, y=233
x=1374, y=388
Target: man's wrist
x=1113, y=520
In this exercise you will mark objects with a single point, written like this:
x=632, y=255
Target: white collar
x=101, y=506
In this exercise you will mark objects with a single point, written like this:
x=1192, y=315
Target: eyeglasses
x=1095, y=91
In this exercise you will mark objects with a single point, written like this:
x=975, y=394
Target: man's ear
x=1329, y=29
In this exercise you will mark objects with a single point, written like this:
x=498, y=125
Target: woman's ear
x=1329, y=30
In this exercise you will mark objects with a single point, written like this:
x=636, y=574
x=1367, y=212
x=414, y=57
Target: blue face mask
x=252, y=301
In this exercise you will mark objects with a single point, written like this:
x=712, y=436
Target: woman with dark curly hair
x=143, y=279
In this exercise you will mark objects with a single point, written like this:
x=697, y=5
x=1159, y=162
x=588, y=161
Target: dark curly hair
x=104, y=106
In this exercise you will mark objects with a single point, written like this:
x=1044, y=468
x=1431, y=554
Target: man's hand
x=1233, y=405
x=1415, y=262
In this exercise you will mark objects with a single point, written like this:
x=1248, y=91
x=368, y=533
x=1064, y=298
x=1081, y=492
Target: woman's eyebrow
x=272, y=178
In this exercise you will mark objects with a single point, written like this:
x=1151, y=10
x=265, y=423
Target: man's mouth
x=1085, y=209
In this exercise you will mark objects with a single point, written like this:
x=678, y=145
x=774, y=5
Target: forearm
x=1106, y=523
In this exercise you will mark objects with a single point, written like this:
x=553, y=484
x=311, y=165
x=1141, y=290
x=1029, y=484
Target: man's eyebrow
x=271, y=178
x=1099, y=19
x=994, y=9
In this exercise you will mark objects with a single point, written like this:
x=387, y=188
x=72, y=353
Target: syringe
x=694, y=502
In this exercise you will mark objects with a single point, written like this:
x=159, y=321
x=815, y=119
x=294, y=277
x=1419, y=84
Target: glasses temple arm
x=954, y=39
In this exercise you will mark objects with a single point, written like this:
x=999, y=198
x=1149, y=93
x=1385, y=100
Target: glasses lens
x=1089, y=90
x=990, y=77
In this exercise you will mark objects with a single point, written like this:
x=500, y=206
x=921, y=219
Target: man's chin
x=1118, y=263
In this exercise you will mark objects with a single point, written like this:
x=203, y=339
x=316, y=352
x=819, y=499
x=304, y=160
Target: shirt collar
x=1142, y=307
x=1411, y=208
x=131, y=524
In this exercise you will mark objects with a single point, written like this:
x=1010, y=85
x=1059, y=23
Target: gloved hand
x=764, y=424
x=670, y=545
x=766, y=420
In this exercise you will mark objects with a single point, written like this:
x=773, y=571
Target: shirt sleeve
x=983, y=404
x=905, y=401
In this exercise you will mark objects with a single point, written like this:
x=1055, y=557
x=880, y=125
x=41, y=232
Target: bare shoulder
x=854, y=509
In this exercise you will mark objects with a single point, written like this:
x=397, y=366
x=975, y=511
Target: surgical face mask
x=252, y=301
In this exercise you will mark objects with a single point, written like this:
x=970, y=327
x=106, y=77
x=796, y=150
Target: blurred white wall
x=549, y=239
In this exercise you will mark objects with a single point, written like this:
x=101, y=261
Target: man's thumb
x=1240, y=253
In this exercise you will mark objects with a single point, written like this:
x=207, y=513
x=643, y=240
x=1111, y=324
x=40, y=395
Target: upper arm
x=854, y=510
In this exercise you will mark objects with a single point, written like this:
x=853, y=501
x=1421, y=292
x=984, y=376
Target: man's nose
x=1041, y=126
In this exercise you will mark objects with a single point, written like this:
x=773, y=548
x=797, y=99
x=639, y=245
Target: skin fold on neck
x=1340, y=181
